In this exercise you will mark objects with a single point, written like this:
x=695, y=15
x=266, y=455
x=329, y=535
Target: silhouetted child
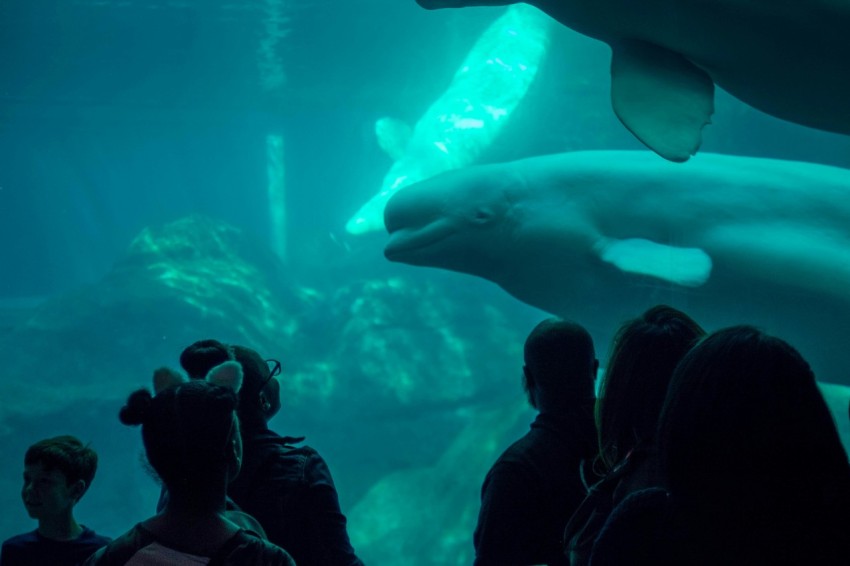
x=57, y=473
x=192, y=441
x=287, y=488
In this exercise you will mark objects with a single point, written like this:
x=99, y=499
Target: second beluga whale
x=599, y=236
x=465, y=119
x=788, y=59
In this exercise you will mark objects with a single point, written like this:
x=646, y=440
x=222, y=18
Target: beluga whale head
x=453, y=221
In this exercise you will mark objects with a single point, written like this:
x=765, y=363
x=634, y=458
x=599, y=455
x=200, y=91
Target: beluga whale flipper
x=458, y=126
x=599, y=236
x=788, y=59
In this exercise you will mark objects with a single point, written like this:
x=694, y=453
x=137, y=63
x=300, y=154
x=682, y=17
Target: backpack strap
x=234, y=542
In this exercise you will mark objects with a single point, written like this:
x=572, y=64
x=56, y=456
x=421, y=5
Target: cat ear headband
x=229, y=374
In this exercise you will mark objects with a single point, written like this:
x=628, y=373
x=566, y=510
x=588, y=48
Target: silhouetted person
x=197, y=360
x=57, y=473
x=755, y=471
x=536, y=484
x=287, y=488
x=192, y=441
x=644, y=353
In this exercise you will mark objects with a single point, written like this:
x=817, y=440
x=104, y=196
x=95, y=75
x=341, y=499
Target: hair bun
x=198, y=358
x=136, y=409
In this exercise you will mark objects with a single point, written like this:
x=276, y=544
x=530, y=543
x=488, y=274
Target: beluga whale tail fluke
x=490, y=83
x=791, y=61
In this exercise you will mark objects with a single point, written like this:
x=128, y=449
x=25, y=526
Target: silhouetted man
x=536, y=484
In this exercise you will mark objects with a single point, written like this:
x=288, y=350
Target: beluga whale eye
x=482, y=215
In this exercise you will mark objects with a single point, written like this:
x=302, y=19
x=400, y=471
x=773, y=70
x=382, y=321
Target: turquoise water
x=174, y=170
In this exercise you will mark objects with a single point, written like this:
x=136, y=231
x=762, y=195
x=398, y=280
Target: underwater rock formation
x=189, y=279
x=425, y=516
x=412, y=343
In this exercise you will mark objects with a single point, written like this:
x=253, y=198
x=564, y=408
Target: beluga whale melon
x=788, y=59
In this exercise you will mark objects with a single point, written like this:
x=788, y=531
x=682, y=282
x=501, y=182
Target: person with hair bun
x=287, y=487
x=192, y=441
x=197, y=360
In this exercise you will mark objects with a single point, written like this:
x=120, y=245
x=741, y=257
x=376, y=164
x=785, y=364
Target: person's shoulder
x=638, y=531
x=302, y=450
x=646, y=510
x=284, y=460
x=21, y=540
x=268, y=441
x=647, y=499
x=91, y=537
x=515, y=456
x=511, y=467
x=274, y=555
x=249, y=549
x=19, y=546
x=245, y=521
x=120, y=550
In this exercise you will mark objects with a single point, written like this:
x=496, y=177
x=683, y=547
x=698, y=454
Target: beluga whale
x=463, y=121
x=599, y=236
x=788, y=59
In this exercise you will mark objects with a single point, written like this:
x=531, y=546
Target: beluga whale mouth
x=406, y=243
x=415, y=221
x=441, y=221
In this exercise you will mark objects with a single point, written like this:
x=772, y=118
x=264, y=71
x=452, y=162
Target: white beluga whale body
x=490, y=83
x=599, y=236
x=788, y=59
